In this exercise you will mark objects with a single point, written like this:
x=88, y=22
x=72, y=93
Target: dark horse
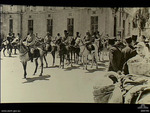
x=62, y=50
x=75, y=50
x=24, y=57
x=52, y=49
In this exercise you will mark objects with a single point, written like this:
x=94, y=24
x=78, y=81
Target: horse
x=75, y=50
x=24, y=57
x=9, y=46
x=49, y=48
x=84, y=52
x=62, y=50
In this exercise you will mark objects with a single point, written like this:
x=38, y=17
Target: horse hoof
x=40, y=75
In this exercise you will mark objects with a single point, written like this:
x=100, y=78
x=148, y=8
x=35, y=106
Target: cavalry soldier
x=58, y=37
x=77, y=40
x=47, y=41
x=65, y=39
x=88, y=41
x=30, y=43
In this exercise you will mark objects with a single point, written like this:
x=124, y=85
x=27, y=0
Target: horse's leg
x=63, y=59
x=41, y=59
x=71, y=57
x=4, y=51
x=36, y=65
x=92, y=54
x=45, y=60
x=83, y=62
x=24, y=67
x=86, y=61
x=10, y=51
x=15, y=50
x=60, y=57
x=53, y=54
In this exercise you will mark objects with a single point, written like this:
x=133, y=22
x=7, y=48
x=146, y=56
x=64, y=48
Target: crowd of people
x=120, y=53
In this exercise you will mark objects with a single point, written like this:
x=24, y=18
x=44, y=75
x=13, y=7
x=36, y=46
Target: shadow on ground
x=44, y=77
x=93, y=70
x=52, y=66
x=72, y=67
x=10, y=56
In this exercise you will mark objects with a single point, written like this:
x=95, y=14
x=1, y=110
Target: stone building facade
x=22, y=19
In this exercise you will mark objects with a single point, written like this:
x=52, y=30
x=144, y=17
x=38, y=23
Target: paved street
x=72, y=84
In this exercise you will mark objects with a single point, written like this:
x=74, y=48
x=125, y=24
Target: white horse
x=84, y=53
x=24, y=57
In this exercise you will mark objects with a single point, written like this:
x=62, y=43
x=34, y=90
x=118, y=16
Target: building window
x=30, y=26
x=50, y=26
x=11, y=25
x=115, y=26
x=49, y=15
x=94, y=24
x=70, y=25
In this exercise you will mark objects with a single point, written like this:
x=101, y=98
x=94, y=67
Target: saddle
x=34, y=54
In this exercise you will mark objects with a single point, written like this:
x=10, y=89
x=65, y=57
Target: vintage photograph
x=75, y=54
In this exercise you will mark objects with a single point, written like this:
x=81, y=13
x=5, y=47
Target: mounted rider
x=30, y=43
x=65, y=39
x=88, y=42
x=47, y=41
x=77, y=40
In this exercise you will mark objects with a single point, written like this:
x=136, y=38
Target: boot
x=30, y=55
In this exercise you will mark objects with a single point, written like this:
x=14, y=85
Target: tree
x=140, y=18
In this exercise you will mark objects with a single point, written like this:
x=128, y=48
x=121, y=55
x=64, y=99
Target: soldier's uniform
x=30, y=43
x=47, y=41
x=88, y=42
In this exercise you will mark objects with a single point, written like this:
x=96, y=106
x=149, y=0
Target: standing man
x=128, y=52
x=115, y=56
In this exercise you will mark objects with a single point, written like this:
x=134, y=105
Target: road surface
x=71, y=84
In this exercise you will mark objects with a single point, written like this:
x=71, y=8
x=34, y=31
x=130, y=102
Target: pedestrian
x=128, y=52
x=134, y=40
x=115, y=56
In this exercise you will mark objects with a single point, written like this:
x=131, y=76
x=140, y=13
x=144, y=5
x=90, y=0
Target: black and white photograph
x=56, y=54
